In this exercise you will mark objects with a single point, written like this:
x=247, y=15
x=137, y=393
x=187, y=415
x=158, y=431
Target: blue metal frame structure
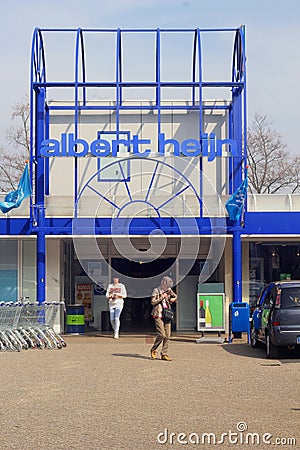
x=39, y=126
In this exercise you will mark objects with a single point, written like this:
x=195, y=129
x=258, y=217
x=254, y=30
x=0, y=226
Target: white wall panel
x=176, y=124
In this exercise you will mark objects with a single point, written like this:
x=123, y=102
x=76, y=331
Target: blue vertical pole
x=39, y=193
x=236, y=177
x=118, y=81
x=158, y=85
x=200, y=118
x=236, y=174
x=237, y=264
x=41, y=257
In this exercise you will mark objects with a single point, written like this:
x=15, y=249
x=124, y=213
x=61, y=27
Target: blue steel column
x=237, y=264
x=39, y=192
x=236, y=168
x=199, y=50
x=237, y=179
x=158, y=85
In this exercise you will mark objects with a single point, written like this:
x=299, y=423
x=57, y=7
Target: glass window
x=290, y=297
x=9, y=270
x=29, y=269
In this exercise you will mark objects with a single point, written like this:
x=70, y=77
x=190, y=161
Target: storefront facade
x=137, y=187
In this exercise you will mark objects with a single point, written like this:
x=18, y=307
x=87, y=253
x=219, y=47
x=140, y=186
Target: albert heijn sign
x=68, y=146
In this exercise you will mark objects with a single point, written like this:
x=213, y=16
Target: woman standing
x=116, y=292
x=162, y=297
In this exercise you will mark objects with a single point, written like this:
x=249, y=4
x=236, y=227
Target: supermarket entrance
x=136, y=315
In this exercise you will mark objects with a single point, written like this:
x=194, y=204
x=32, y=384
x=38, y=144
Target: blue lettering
x=231, y=143
x=190, y=147
x=74, y=143
x=209, y=146
x=212, y=147
x=204, y=146
x=162, y=143
x=64, y=151
x=116, y=143
x=50, y=147
x=135, y=141
x=100, y=148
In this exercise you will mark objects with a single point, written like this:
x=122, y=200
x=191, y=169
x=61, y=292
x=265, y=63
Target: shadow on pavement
x=286, y=356
x=245, y=350
x=131, y=355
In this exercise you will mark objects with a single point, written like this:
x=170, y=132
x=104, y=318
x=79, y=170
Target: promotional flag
x=235, y=203
x=15, y=198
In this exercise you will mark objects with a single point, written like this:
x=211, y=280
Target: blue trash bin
x=239, y=318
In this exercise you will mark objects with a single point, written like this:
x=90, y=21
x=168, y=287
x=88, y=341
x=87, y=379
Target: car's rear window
x=290, y=297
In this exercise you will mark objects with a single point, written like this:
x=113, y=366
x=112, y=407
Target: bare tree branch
x=14, y=155
x=272, y=169
x=18, y=136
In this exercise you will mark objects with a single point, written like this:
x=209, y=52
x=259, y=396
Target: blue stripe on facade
x=268, y=223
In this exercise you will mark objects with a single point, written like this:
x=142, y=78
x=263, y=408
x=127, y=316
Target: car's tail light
x=276, y=323
x=277, y=301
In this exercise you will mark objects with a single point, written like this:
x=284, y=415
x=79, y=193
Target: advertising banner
x=210, y=312
x=84, y=296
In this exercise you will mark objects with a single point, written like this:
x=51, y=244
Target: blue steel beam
x=262, y=224
x=139, y=84
x=40, y=199
x=236, y=164
x=158, y=82
x=118, y=81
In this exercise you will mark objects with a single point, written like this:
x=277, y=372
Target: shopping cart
x=10, y=337
x=51, y=312
x=37, y=319
x=25, y=325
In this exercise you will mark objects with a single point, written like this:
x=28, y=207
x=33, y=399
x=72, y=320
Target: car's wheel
x=271, y=349
x=253, y=338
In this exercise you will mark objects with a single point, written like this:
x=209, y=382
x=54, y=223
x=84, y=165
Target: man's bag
x=167, y=314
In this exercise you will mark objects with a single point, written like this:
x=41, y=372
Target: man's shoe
x=153, y=354
x=166, y=358
x=116, y=336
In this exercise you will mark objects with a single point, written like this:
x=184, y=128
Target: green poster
x=210, y=312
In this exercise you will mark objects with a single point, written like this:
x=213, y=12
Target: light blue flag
x=15, y=198
x=235, y=203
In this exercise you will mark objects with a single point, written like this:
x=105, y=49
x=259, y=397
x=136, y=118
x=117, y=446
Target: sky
x=272, y=45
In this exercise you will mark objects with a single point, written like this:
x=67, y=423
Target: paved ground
x=99, y=393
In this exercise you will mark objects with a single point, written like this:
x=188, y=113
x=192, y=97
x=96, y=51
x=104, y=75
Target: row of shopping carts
x=25, y=325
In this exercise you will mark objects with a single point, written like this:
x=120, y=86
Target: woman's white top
x=118, y=291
